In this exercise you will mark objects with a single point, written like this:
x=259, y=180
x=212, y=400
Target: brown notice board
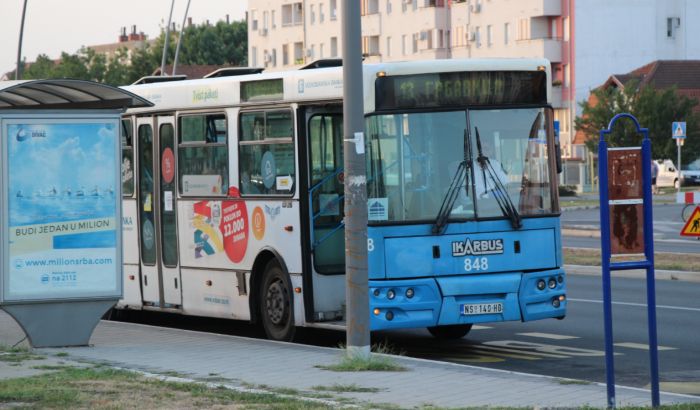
x=626, y=196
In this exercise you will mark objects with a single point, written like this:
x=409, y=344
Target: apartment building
x=585, y=40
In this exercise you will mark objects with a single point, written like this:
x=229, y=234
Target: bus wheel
x=276, y=303
x=450, y=331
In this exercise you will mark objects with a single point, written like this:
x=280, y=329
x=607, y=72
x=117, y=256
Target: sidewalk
x=243, y=362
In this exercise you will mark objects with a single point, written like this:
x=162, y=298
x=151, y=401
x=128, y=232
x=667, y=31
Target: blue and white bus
x=233, y=196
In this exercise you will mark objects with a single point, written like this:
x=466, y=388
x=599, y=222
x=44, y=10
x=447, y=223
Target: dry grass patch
x=669, y=261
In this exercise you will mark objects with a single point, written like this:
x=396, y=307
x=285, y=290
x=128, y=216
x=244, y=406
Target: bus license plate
x=481, y=309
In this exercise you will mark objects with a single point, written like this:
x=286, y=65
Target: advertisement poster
x=625, y=195
x=62, y=210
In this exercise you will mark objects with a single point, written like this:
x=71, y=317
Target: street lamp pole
x=356, y=291
x=179, y=37
x=18, y=71
x=167, y=39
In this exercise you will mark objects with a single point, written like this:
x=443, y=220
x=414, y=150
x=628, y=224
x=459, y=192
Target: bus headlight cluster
x=551, y=282
x=556, y=302
x=410, y=293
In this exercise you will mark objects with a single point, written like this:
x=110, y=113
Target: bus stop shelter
x=60, y=197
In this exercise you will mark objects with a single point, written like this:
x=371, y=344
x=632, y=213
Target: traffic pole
x=20, y=66
x=356, y=288
x=167, y=40
x=679, y=144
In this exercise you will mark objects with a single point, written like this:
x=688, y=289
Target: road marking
x=540, y=348
x=636, y=304
x=642, y=346
x=485, y=350
x=480, y=327
x=519, y=352
x=548, y=336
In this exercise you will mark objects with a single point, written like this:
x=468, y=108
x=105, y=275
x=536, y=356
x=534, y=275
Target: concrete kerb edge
x=659, y=274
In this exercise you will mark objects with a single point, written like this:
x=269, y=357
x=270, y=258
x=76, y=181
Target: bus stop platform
x=240, y=363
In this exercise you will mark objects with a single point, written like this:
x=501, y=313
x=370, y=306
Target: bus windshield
x=413, y=159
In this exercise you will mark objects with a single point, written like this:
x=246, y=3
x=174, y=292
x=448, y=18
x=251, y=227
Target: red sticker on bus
x=234, y=227
x=168, y=165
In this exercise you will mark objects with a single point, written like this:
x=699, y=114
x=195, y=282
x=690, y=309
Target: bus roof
x=318, y=84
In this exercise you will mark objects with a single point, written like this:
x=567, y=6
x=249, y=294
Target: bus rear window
x=203, y=155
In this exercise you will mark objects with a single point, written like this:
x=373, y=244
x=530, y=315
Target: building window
x=266, y=17
x=566, y=29
x=272, y=14
x=414, y=5
x=403, y=44
x=388, y=46
x=489, y=36
x=414, y=47
x=334, y=9
x=524, y=29
x=369, y=7
x=672, y=26
x=429, y=38
x=370, y=45
x=253, y=21
x=312, y=52
x=292, y=14
x=506, y=33
x=312, y=13
x=266, y=153
x=298, y=53
x=441, y=39
x=477, y=36
x=320, y=50
x=448, y=39
x=388, y=6
x=274, y=57
x=321, y=16
x=334, y=46
x=254, y=56
x=285, y=54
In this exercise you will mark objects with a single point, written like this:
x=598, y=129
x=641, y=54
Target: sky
x=53, y=26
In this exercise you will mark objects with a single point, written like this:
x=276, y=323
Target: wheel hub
x=276, y=302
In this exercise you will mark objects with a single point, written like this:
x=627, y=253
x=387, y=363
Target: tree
x=654, y=109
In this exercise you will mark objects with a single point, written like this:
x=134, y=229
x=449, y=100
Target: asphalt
x=240, y=363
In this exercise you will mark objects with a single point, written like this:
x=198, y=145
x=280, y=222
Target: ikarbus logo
x=23, y=135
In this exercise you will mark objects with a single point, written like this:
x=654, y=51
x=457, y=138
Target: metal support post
x=356, y=293
x=167, y=39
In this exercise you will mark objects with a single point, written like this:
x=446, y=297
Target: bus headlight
x=541, y=285
x=552, y=283
x=410, y=293
x=390, y=294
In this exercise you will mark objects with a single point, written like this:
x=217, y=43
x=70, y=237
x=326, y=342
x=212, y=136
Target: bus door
x=326, y=190
x=167, y=212
x=160, y=269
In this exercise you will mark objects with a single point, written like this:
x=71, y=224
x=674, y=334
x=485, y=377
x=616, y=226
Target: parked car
x=690, y=174
x=668, y=174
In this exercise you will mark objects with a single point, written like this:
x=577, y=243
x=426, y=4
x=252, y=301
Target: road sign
x=692, y=227
x=678, y=129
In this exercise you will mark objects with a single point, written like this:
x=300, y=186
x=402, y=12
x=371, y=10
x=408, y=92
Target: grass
x=111, y=389
x=346, y=388
x=377, y=361
x=669, y=261
x=17, y=355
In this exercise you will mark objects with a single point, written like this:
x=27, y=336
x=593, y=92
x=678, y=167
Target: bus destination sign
x=261, y=90
x=461, y=89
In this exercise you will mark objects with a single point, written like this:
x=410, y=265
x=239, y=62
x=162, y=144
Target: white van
x=668, y=174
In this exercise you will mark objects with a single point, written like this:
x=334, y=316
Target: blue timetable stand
x=627, y=229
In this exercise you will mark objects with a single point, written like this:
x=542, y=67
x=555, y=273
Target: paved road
x=667, y=225
x=574, y=347
x=570, y=348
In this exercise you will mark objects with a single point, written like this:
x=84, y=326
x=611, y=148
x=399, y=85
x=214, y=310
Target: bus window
x=203, y=155
x=266, y=153
x=127, y=158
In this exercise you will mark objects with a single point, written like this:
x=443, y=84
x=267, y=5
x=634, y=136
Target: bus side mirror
x=557, y=153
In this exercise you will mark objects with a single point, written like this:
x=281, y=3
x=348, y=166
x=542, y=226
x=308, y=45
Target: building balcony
x=549, y=48
x=540, y=8
x=556, y=96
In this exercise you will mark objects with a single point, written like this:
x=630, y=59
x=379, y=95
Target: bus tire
x=276, y=303
x=450, y=331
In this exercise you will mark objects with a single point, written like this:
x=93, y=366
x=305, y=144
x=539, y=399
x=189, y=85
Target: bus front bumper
x=464, y=299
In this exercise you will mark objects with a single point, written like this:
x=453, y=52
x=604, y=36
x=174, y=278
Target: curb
x=659, y=274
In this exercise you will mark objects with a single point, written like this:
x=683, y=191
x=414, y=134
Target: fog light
x=541, y=285
x=376, y=292
x=556, y=303
x=562, y=298
x=390, y=294
x=409, y=293
x=376, y=311
x=390, y=315
x=560, y=279
x=552, y=283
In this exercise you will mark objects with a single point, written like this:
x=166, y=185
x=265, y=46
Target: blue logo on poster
x=19, y=264
x=269, y=172
x=44, y=278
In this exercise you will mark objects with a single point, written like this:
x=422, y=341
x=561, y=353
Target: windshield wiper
x=500, y=191
x=450, y=197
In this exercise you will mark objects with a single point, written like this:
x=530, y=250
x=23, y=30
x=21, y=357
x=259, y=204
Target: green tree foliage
x=654, y=109
x=220, y=44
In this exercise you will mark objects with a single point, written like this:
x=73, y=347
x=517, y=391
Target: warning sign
x=692, y=227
